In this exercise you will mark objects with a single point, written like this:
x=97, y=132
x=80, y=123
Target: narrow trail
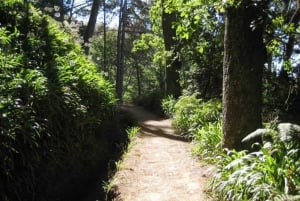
x=159, y=167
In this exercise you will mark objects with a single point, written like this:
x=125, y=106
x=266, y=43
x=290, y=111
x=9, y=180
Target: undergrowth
x=271, y=173
x=55, y=108
x=198, y=121
x=207, y=142
x=110, y=185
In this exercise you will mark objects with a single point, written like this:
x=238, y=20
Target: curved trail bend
x=159, y=167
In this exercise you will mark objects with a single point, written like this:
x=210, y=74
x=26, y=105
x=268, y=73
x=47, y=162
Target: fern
x=54, y=106
x=272, y=173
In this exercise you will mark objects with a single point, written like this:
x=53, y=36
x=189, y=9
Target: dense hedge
x=54, y=107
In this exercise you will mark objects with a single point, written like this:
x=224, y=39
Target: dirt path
x=159, y=167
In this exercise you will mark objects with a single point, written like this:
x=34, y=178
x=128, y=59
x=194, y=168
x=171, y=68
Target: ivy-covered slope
x=54, y=107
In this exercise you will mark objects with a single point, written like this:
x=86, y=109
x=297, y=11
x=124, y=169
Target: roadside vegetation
x=58, y=123
x=109, y=186
x=199, y=121
x=271, y=171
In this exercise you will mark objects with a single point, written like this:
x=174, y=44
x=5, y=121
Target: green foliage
x=272, y=173
x=199, y=32
x=276, y=44
x=152, y=43
x=97, y=52
x=168, y=105
x=207, y=142
x=199, y=29
x=132, y=131
x=198, y=121
x=54, y=107
x=184, y=115
x=150, y=47
x=108, y=187
x=192, y=113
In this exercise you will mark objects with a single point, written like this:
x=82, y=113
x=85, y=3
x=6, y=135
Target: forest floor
x=159, y=166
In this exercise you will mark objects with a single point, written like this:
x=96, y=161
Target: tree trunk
x=104, y=36
x=244, y=58
x=89, y=31
x=120, y=50
x=173, y=62
x=284, y=79
x=71, y=11
x=138, y=78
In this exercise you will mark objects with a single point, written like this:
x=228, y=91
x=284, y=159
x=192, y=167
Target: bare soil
x=159, y=166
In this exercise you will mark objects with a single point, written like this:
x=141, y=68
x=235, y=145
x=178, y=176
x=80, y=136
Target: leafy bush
x=168, y=106
x=191, y=113
x=198, y=121
x=207, y=142
x=54, y=107
x=184, y=112
x=272, y=173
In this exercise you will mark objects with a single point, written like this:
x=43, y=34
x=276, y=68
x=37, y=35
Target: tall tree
x=120, y=49
x=134, y=20
x=89, y=31
x=58, y=9
x=244, y=57
x=292, y=20
x=173, y=61
x=104, y=35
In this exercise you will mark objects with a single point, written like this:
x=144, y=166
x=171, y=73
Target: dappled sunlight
x=164, y=126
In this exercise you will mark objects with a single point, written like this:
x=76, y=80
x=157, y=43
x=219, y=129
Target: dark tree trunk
x=244, y=59
x=138, y=78
x=71, y=11
x=89, y=31
x=120, y=50
x=173, y=62
x=104, y=36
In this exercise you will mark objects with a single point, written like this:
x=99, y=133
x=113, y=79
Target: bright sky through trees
x=112, y=19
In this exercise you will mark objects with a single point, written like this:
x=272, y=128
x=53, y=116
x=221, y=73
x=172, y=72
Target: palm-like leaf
x=289, y=131
x=261, y=132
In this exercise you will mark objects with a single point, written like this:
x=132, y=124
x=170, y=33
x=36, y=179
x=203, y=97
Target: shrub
x=198, y=121
x=207, y=142
x=184, y=112
x=54, y=107
x=191, y=113
x=168, y=106
x=272, y=173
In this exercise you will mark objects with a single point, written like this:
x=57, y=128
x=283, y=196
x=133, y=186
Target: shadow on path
x=151, y=125
x=159, y=167
x=139, y=113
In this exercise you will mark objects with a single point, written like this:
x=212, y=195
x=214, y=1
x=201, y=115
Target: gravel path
x=159, y=167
